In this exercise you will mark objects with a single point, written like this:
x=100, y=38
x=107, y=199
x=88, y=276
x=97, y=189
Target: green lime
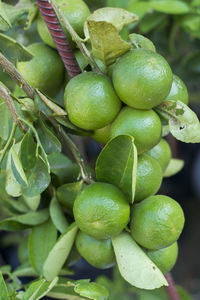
x=101, y=210
x=45, y=71
x=75, y=11
x=157, y=222
x=142, y=78
x=162, y=153
x=143, y=125
x=178, y=90
x=148, y=177
x=102, y=135
x=164, y=258
x=90, y=101
x=98, y=253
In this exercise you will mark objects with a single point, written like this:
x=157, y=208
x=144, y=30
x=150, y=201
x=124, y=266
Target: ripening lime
x=45, y=71
x=143, y=125
x=157, y=222
x=142, y=78
x=148, y=177
x=101, y=210
x=98, y=253
x=178, y=90
x=162, y=153
x=102, y=135
x=75, y=11
x=164, y=258
x=91, y=101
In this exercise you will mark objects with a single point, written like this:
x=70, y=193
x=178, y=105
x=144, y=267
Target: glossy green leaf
x=140, y=41
x=41, y=241
x=134, y=265
x=60, y=291
x=5, y=118
x=38, y=179
x=117, y=164
x=175, y=166
x=67, y=194
x=59, y=253
x=90, y=290
x=170, y=6
x=184, y=125
x=39, y=289
x=28, y=151
x=3, y=289
x=57, y=215
x=32, y=202
x=17, y=168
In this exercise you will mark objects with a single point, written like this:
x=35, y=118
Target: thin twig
x=7, y=145
x=171, y=288
x=13, y=72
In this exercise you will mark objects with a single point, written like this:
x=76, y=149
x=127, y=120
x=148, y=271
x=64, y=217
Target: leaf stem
x=171, y=288
x=7, y=145
x=13, y=72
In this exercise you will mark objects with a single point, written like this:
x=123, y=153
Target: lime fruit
x=148, y=177
x=142, y=78
x=162, y=153
x=102, y=135
x=164, y=258
x=157, y=222
x=101, y=210
x=98, y=253
x=90, y=101
x=75, y=11
x=45, y=71
x=143, y=125
x=178, y=91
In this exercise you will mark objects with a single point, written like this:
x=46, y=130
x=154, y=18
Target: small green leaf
x=24, y=270
x=90, y=290
x=32, y=202
x=17, y=168
x=117, y=164
x=140, y=41
x=3, y=289
x=175, y=166
x=28, y=151
x=39, y=289
x=57, y=215
x=38, y=179
x=61, y=291
x=5, y=118
x=41, y=241
x=170, y=6
x=134, y=265
x=183, y=123
x=59, y=253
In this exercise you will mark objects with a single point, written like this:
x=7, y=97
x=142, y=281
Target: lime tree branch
x=13, y=72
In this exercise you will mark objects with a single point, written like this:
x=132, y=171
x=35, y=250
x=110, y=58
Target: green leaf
x=38, y=179
x=175, y=166
x=134, y=265
x=117, y=164
x=5, y=118
x=41, y=241
x=191, y=23
x=170, y=6
x=61, y=291
x=32, y=202
x=183, y=123
x=59, y=253
x=140, y=41
x=3, y=289
x=39, y=289
x=140, y=8
x=25, y=271
x=3, y=14
x=90, y=290
x=151, y=21
x=67, y=194
x=71, y=127
x=28, y=151
x=49, y=141
x=27, y=220
x=14, y=50
x=57, y=215
x=17, y=168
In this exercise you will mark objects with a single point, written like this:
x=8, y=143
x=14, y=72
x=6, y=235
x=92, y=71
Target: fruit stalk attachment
x=171, y=289
x=59, y=37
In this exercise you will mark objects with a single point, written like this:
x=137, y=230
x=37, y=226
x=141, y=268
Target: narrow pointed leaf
x=57, y=215
x=28, y=151
x=39, y=289
x=3, y=289
x=32, y=202
x=17, y=168
x=5, y=117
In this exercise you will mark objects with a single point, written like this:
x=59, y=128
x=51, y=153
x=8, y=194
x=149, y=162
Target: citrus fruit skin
x=102, y=135
x=98, y=253
x=90, y=101
x=101, y=210
x=143, y=125
x=157, y=222
x=162, y=153
x=148, y=177
x=178, y=91
x=45, y=71
x=142, y=78
x=75, y=11
x=164, y=258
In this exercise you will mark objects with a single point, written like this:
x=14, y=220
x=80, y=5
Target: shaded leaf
x=117, y=164
x=32, y=202
x=191, y=24
x=5, y=118
x=175, y=166
x=39, y=289
x=28, y=151
x=61, y=291
x=17, y=168
x=151, y=20
x=41, y=241
x=57, y=215
x=3, y=289
x=140, y=41
x=134, y=265
x=59, y=253
x=170, y=6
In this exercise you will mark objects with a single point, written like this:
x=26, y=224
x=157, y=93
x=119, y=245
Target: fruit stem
x=171, y=288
